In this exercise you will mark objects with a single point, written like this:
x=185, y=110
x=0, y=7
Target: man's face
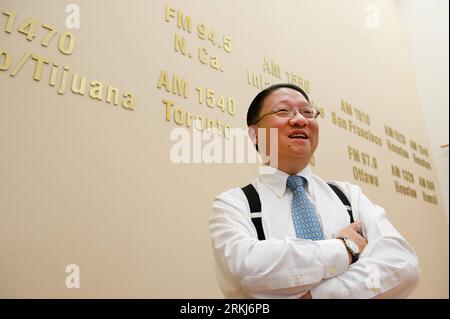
x=298, y=137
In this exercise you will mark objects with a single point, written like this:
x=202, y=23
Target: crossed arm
x=295, y=268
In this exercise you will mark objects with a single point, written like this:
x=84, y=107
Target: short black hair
x=256, y=105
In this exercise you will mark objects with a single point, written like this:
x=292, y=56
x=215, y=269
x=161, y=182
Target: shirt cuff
x=335, y=257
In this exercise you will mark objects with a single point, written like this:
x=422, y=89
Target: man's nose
x=298, y=119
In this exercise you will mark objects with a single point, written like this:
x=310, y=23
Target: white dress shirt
x=284, y=266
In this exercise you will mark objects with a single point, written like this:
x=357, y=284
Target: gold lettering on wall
x=182, y=117
x=347, y=108
x=405, y=190
x=209, y=97
x=421, y=162
x=394, y=134
x=66, y=45
x=208, y=53
x=46, y=32
x=257, y=80
x=293, y=78
x=351, y=127
x=397, y=149
x=178, y=86
x=360, y=174
x=271, y=67
x=77, y=85
x=5, y=60
x=274, y=69
x=408, y=177
x=362, y=157
x=428, y=186
x=432, y=199
x=206, y=58
x=423, y=151
x=368, y=161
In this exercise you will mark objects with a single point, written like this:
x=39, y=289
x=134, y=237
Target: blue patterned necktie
x=306, y=222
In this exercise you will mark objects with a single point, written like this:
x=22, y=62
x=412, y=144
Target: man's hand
x=306, y=296
x=353, y=232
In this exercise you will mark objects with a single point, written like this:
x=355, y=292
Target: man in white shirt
x=364, y=259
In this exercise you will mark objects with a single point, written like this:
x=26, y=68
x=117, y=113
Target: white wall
x=426, y=26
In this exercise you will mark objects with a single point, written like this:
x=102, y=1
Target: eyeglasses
x=307, y=112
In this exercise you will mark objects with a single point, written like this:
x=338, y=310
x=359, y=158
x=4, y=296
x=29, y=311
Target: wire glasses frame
x=308, y=113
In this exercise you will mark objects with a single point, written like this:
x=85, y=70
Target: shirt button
x=376, y=290
x=333, y=271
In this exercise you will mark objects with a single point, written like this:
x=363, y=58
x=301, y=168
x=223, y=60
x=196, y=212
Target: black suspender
x=255, y=206
x=255, y=209
x=343, y=199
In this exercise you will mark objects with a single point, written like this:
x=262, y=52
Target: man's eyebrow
x=283, y=104
x=288, y=99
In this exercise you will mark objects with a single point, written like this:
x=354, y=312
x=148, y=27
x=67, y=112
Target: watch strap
x=354, y=255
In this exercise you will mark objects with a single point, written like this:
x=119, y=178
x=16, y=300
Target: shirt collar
x=277, y=180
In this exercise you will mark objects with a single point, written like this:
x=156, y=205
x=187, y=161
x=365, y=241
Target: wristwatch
x=352, y=248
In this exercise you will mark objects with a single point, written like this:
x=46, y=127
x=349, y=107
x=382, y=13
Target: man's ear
x=253, y=133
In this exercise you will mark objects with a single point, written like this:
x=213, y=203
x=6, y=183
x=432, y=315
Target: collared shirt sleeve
x=273, y=268
x=387, y=268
